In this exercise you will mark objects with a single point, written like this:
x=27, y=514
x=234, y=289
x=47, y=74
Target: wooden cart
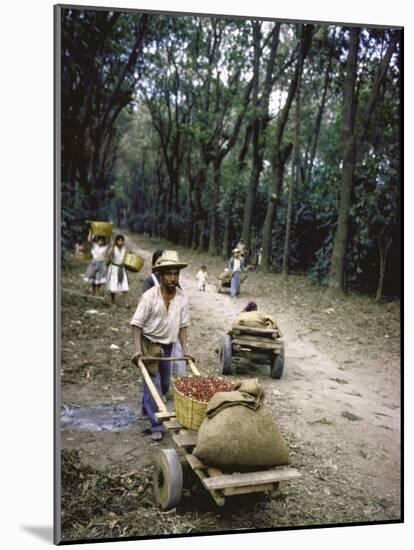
x=168, y=472
x=255, y=344
x=223, y=286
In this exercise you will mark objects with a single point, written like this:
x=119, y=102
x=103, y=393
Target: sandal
x=156, y=436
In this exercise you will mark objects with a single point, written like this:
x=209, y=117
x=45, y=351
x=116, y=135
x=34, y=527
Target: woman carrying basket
x=117, y=280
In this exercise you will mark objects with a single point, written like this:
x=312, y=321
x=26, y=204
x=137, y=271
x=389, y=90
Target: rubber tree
x=352, y=143
x=100, y=54
x=293, y=183
x=260, y=119
x=220, y=99
x=282, y=151
x=227, y=202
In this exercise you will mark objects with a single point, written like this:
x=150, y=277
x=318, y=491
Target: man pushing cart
x=162, y=316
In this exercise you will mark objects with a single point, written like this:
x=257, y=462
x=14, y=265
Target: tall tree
x=293, y=183
x=100, y=55
x=260, y=119
x=336, y=283
x=336, y=275
x=282, y=151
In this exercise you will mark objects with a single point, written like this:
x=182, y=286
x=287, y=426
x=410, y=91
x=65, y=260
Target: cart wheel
x=278, y=364
x=168, y=479
x=225, y=355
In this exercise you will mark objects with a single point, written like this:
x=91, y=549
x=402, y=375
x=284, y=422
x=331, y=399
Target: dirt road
x=338, y=402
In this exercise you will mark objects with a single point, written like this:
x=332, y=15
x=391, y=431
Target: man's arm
x=182, y=336
x=136, y=336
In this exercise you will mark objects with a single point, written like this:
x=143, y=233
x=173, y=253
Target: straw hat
x=169, y=258
x=236, y=250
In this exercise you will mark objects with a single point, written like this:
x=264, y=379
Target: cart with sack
x=169, y=462
x=255, y=343
x=224, y=282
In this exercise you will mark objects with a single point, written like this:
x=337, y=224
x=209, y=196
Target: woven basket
x=189, y=412
x=85, y=257
x=132, y=262
x=101, y=229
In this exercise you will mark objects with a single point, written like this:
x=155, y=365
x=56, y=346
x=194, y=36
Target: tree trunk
x=189, y=216
x=294, y=181
x=318, y=122
x=383, y=253
x=260, y=120
x=285, y=262
x=279, y=162
x=201, y=236
x=249, y=202
x=257, y=165
x=337, y=268
x=281, y=154
x=227, y=235
x=213, y=244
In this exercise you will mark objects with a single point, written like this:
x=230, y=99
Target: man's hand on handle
x=136, y=356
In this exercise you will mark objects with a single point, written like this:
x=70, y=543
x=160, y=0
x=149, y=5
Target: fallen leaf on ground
x=350, y=416
x=321, y=420
x=339, y=380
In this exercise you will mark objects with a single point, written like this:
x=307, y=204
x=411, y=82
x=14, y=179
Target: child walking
x=202, y=277
x=117, y=280
x=96, y=272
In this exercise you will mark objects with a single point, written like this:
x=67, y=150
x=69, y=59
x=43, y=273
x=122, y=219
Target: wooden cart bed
x=218, y=483
x=221, y=484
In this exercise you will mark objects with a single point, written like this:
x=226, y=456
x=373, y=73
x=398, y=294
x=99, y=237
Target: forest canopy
x=204, y=130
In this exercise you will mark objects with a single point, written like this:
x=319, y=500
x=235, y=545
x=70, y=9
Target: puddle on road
x=98, y=418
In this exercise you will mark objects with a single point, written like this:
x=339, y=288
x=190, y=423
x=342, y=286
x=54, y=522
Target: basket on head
x=132, y=262
x=101, y=229
x=189, y=412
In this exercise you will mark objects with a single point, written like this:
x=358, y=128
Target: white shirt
x=157, y=323
x=202, y=276
x=119, y=254
x=236, y=264
x=98, y=252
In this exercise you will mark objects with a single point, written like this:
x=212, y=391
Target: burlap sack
x=152, y=350
x=248, y=394
x=240, y=436
x=255, y=319
x=251, y=386
x=225, y=276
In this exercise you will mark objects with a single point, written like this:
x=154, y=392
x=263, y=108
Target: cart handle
x=190, y=362
x=153, y=390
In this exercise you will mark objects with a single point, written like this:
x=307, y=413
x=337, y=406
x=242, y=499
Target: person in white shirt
x=161, y=318
x=202, y=278
x=96, y=271
x=236, y=266
x=117, y=281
